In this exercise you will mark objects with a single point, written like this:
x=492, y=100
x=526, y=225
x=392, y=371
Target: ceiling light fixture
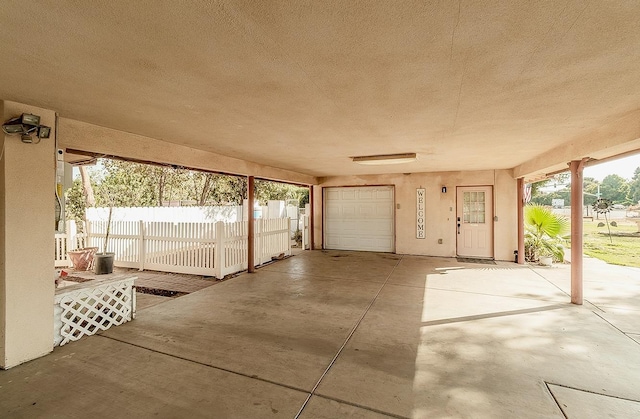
x=386, y=159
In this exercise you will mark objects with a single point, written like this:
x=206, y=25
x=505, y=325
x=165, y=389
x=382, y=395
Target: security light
x=44, y=131
x=12, y=128
x=30, y=119
x=26, y=125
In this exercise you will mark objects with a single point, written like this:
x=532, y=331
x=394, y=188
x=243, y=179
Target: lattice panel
x=89, y=311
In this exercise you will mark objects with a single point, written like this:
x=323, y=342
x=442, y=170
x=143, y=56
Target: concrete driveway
x=348, y=334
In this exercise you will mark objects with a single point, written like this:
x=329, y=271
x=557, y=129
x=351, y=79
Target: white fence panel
x=272, y=239
x=193, y=248
x=233, y=247
x=180, y=247
x=124, y=239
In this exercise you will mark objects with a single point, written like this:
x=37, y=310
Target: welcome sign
x=420, y=203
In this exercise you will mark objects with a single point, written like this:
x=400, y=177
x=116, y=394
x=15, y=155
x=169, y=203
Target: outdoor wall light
x=44, y=131
x=386, y=159
x=26, y=125
x=444, y=189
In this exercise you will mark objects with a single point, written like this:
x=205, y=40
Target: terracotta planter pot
x=82, y=259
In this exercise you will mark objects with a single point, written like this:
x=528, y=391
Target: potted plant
x=545, y=234
x=103, y=262
x=545, y=258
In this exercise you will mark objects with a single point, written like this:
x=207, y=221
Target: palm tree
x=545, y=233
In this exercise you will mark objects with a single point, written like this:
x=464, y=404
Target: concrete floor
x=364, y=335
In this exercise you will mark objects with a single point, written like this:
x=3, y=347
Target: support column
x=27, y=224
x=520, y=221
x=311, y=217
x=251, y=227
x=576, y=167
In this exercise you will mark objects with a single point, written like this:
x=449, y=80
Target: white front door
x=359, y=218
x=475, y=221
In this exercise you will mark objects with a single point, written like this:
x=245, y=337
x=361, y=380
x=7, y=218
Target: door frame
x=492, y=220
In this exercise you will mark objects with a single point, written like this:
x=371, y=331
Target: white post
x=304, y=232
x=72, y=232
x=289, y=239
x=141, y=247
x=258, y=241
x=87, y=232
x=219, y=251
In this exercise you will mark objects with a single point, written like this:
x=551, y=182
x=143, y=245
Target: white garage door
x=359, y=218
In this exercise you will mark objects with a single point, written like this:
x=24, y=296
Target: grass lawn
x=617, y=251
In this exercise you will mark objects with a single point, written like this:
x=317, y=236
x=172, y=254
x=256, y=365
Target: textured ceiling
x=304, y=85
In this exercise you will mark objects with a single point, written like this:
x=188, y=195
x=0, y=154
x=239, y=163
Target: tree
x=75, y=203
x=615, y=188
x=128, y=184
x=267, y=190
x=634, y=188
x=590, y=187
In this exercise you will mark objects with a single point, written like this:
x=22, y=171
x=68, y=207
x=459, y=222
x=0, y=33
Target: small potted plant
x=545, y=257
x=103, y=262
x=545, y=234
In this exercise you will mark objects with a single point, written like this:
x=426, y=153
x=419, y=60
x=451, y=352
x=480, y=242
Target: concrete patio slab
x=503, y=280
x=277, y=326
x=626, y=320
x=581, y=404
x=604, y=285
x=375, y=335
x=355, y=266
x=321, y=408
x=149, y=300
x=101, y=378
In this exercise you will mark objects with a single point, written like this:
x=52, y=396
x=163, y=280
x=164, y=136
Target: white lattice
x=93, y=308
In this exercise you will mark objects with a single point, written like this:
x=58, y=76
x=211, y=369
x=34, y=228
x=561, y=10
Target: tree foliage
x=127, y=184
x=613, y=187
x=634, y=188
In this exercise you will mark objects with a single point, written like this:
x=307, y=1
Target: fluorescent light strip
x=386, y=159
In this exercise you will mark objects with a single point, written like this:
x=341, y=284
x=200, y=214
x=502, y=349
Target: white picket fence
x=214, y=249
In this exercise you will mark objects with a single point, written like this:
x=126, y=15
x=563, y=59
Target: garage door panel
x=385, y=195
x=359, y=218
x=332, y=194
x=348, y=195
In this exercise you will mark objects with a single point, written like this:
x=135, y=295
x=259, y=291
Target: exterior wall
x=440, y=209
x=27, y=186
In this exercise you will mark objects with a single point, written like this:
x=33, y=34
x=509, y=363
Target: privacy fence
x=200, y=248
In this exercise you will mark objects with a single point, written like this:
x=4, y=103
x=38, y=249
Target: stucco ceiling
x=304, y=85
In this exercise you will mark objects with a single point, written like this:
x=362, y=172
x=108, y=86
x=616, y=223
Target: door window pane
x=473, y=207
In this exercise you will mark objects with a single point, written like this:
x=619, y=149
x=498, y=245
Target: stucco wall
x=440, y=209
x=27, y=184
x=82, y=136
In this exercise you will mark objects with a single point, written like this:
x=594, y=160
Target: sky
x=623, y=167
